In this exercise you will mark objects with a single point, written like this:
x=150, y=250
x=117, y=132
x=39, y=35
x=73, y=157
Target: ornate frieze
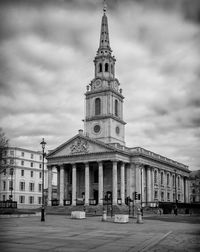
x=80, y=146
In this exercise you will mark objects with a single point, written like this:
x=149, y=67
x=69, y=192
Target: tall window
x=168, y=196
x=21, y=199
x=116, y=107
x=31, y=187
x=173, y=181
x=162, y=178
x=167, y=178
x=155, y=195
x=97, y=106
x=178, y=182
x=4, y=185
x=31, y=173
x=32, y=155
x=106, y=67
x=31, y=200
x=155, y=177
x=22, y=173
x=22, y=186
x=22, y=162
x=39, y=200
x=100, y=68
x=39, y=187
x=162, y=196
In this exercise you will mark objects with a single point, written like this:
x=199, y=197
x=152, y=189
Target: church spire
x=104, y=44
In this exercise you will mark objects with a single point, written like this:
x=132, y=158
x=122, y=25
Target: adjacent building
x=194, y=186
x=21, y=180
x=96, y=162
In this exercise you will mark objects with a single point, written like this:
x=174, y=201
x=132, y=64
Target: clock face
x=97, y=128
x=117, y=130
x=97, y=84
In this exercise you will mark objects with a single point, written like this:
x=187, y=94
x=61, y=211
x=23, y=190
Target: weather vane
x=104, y=6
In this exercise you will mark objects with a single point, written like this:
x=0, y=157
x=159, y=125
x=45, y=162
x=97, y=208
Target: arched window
x=106, y=67
x=167, y=178
x=111, y=68
x=97, y=106
x=116, y=107
x=100, y=68
x=161, y=178
x=155, y=177
x=178, y=182
x=173, y=180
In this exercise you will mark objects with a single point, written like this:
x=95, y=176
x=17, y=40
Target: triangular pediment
x=79, y=145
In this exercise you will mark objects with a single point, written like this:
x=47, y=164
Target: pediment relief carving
x=79, y=146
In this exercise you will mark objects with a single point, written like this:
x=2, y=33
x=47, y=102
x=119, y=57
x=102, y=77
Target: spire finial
x=104, y=6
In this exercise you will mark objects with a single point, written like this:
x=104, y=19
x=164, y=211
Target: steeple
x=104, y=44
x=104, y=99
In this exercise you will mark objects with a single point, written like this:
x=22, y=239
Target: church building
x=96, y=162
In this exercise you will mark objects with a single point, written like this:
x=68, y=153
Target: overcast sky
x=46, y=59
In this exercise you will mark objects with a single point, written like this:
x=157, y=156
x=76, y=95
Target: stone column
x=61, y=185
x=149, y=184
x=87, y=183
x=49, y=185
x=114, y=179
x=128, y=182
x=73, y=184
x=58, y=183
x=100, y=183
x=122, y=183
x=186, y=191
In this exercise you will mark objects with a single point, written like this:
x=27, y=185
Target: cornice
x=101, y=117
x=106, y=90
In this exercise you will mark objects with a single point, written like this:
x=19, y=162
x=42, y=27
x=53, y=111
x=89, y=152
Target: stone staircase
x=90, y=210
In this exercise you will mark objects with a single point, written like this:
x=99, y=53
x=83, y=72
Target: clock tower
x=104, y=99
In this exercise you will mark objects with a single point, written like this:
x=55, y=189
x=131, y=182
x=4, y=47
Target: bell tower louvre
x=104, y=99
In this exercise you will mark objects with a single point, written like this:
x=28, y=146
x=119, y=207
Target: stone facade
x=96, y=163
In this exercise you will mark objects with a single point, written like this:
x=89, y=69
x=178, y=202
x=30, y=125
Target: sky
x=47, y=50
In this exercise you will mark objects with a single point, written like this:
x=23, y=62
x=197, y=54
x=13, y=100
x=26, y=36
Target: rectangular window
x=4, y=197
x=10, y=185
x=22, y=173
x=22, y=154
x=40, y=165
x=31, y=199
x=11, y=171
x=39, y=200
x=4, y=185
x=40, y=175
x=31, y=187
x=31, y=174
x=40, y=157
x=12, y=153
x=11, y=161
x=155, y=195
x=39, y=187
x=179, y=197
x=22, y=186
x=168, y=196
x=22, y=199
x=32, y=156
x=31, y=164
x=162, y=196
x=22, y=162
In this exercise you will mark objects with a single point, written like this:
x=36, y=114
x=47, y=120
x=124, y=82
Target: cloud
x=46, y=54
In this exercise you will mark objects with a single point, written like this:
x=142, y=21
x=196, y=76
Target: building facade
x=96, y=162
x=194, y=186
x=21, y=180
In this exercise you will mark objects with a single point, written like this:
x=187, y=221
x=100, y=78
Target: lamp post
x=141, y=187
x=43, y=143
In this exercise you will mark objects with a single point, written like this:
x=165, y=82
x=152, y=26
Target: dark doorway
x=96, y=195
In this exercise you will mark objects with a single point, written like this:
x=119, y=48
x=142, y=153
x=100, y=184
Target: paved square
x=61, y=233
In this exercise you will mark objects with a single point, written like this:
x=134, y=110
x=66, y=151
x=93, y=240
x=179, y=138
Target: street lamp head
x=43, y=143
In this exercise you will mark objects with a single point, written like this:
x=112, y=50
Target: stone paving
x=61, y=233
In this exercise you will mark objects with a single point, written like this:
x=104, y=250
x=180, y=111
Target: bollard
x=139, y=216
x=104, y=217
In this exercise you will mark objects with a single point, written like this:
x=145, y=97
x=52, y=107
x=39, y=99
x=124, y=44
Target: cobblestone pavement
x=60, y=233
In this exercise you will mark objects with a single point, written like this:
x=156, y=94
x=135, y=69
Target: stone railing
x=148, y=153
